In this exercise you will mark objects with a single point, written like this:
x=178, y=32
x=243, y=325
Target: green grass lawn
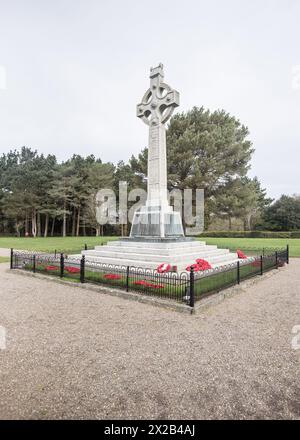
x=4, y=259
x=75, y=244
x=256, y=244
x=50, y=244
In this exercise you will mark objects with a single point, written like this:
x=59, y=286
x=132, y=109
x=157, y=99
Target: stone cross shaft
x=156, y=108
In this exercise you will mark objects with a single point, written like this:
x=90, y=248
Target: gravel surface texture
x=73, y=353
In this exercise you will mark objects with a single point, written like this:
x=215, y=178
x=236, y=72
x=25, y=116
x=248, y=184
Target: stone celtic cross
x=156, y=108
x=159, y=101
x=157, y=219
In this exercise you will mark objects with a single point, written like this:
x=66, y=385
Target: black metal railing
x=185, y=287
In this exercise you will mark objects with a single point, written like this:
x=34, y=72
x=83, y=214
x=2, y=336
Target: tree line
x=209, y=150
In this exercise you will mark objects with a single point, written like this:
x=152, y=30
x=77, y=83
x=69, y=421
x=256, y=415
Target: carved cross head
x=159, y=101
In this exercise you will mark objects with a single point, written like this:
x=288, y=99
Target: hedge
x=251, y=234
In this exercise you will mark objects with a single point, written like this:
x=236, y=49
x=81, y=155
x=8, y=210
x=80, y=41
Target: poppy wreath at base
x=163, y=268
x=112, y=276
x=200, y=266
x=51, y=268
x=241, y=254
x=71, y=269
x=204, y=265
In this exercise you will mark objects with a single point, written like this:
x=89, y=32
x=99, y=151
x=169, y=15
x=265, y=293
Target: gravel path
x=72, y=353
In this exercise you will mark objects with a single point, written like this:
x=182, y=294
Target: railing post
x=34, y=264
x=276, y=259
x=287, y=254
x=238, y=273
x=82, y=269
x=127, y=278
x=192, y=288
x=261, y=265
x=55, y=253
x=11, y=258
x=62, y=265
x=85, y=247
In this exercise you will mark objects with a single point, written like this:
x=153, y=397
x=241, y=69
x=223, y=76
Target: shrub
x=250, y=234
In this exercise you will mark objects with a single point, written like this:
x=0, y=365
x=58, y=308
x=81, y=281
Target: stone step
x=176, y=256
x=153, y=264
x=150, y=254
x=155, y=245
x=156, y=251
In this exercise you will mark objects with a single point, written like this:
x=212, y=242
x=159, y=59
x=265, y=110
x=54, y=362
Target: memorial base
x=150, y=252
x=158, y=222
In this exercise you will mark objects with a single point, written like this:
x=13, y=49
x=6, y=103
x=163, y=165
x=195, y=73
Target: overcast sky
x=72, y=72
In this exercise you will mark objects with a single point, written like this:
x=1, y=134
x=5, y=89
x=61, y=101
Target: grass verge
x=255, y=245
x=50, y=244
